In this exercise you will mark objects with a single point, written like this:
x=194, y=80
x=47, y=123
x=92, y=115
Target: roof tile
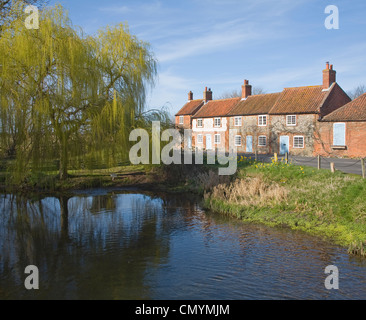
x=256, y=104
x=300, y=100
x=352, y=111
x=190, y=108
x=217, y=108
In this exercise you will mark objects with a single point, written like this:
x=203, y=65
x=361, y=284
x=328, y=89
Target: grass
x=77, y=179
x=303, y=198
x=319, y=202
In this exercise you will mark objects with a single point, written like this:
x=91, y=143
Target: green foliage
x=68, y=96
x=318, y=201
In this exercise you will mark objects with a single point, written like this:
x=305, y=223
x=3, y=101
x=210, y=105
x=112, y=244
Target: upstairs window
x=181, y=119
x=237, y=121
x=199, y=123
x=262, y=121
x=291, y=120
x=217, y=122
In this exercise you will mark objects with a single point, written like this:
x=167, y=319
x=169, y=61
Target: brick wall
x=186, y=123
x=336, y=99
x=355, y=140
x=251, y=128
x=209, y=129
x=305, y=126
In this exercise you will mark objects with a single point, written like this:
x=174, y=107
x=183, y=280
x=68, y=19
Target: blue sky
x=219, y=43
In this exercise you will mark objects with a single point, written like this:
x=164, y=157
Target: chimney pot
x=329, y=76
x=327, y=65
x=246, y=90
x=207, y=95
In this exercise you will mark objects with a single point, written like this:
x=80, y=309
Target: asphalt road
x=344, y=165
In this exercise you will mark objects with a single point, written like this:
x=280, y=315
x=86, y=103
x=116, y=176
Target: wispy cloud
x=202, y=44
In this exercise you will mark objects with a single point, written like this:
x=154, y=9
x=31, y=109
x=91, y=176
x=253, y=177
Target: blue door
x=284, y=144
x=208, y=142
x=339, y=134
x=249, y=147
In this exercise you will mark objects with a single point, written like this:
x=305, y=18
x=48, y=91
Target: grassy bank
x=302, y=198
x=276, y=194
x=173, y=179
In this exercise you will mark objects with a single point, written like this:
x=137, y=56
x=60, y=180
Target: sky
x=219, y=43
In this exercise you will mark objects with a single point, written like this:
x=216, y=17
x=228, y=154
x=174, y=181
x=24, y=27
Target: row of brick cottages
x=309, y=121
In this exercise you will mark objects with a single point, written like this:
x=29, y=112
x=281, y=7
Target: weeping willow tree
x=67, y=96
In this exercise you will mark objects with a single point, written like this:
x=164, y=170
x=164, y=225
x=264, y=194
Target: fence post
x=256, y=155
x=332, y=168
x=319, y=162
x=286, y=157
x=276, y=157
x=363, y=167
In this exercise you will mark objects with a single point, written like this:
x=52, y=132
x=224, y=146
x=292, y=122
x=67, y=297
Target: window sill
x=339, y=147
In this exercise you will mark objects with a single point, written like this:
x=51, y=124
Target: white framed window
x=217, y=138
x=181, y=119
x=291, y=120
x=199, y=123
x=217, y=122
x=262, y=141
x=298, y=142
x=262, y=121
x=237, y=141
x=237, y=121
x=199, y=138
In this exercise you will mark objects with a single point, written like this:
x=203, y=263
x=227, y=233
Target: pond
x=126, y=244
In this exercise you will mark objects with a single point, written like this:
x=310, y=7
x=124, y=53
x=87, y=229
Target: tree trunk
x=63, y=159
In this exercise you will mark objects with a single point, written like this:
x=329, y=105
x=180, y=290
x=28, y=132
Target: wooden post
x=363, y=167
x=256, y=155
x=332, y=168
x=286, y=157
x=319, y=162
x=276, y=157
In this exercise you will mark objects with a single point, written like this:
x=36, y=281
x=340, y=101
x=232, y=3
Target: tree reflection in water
x=84, y=245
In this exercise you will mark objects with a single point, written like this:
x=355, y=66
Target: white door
x=208, y=142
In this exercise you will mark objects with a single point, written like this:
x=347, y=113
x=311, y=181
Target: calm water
x=126, y=245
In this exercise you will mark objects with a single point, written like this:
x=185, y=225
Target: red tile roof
x=352, y=111
x=300, y=100
x=217, y=108
x=190, y=108
x=254, y=105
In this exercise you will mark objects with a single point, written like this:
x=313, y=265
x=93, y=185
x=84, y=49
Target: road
x=344, y=165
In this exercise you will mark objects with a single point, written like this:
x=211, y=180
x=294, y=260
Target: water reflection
x=125, y=245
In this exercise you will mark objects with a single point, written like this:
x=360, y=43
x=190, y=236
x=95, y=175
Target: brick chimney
x=246, y=90
x=207, y=95
x=190, y=96
x=329, y=76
